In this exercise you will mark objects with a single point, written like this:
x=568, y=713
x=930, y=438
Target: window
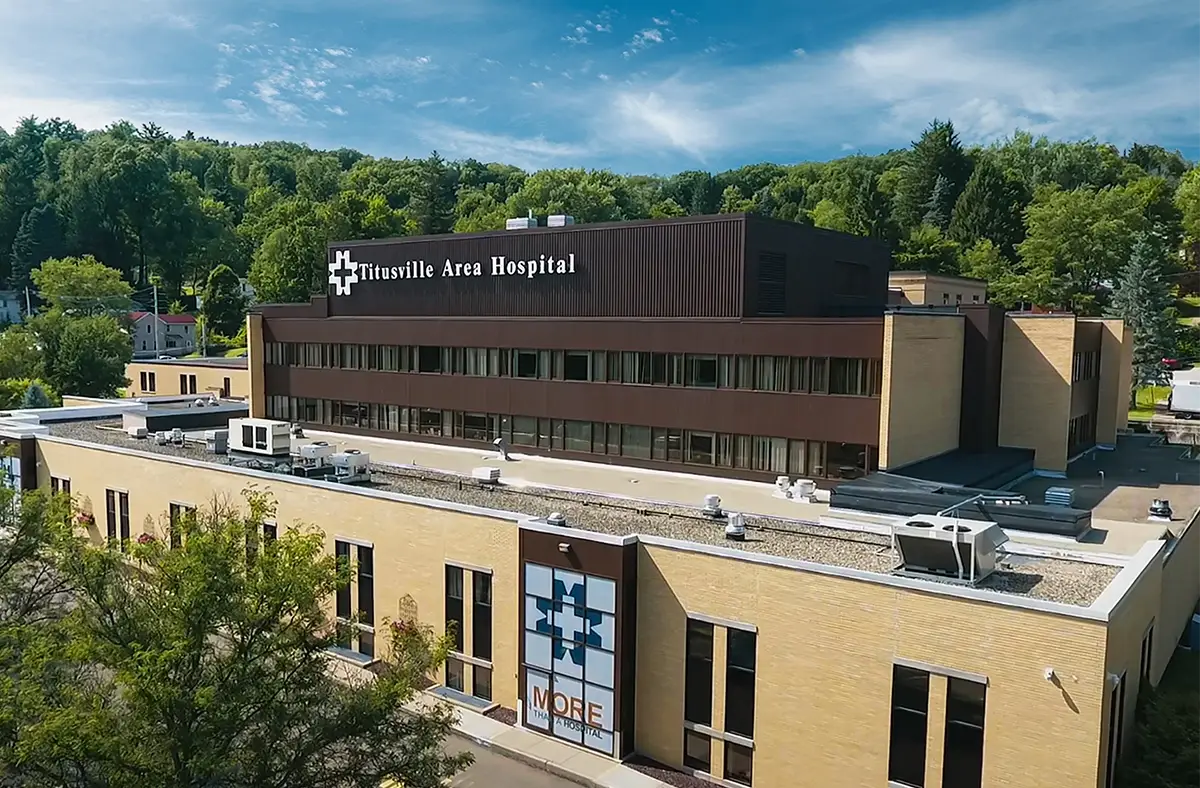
x=855, y=376
x=110, y=509
x=341, y=551
x=366, y=586
x=454, y=605
x=183, y=384
x=577, y=436
x=429, y=421
x=635, y=441
x=481, y=615
x=527, y=364
x=910, y=710
x=177, y=520
x=962, y=759
x=739, y=682
x=1147, y=656
x=270, y=532
x=142, y=378
x=1116, y=729
x=524, y=431
x=697, y=751
x=123, y=509
x=151, y=379
x=454, y=674
x=577, y=365
x=698, y=673
x=481, y=682
x=739, y=762
x=429, y=359
x=700, y=371
x=701, y=448
x=226, y=387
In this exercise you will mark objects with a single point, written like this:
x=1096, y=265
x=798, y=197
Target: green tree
x=1143, y=300
x=1187, y=200
x=937, y=153
x=665, y=209
x=224, y=307
x=990, y=208
x=20, y=354
x=926, y=249
x=82, y=286
x=940, y=204
x=38, y=239
x=211, y=668
x=36, y=397
x=828, y=215
x=290, y=265
x=83, y=355
x=318, y=178
x=432, y=201
x=733, y=201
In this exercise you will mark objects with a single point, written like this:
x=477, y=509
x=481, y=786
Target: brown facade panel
x=844, y=338
x=824, y=417
x=983, y=355
x=686, y=268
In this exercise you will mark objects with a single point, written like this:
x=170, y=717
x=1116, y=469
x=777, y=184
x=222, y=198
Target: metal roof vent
x=735, y=531
x=712, y=506
x=960, y=551
x=486, y=475
x=523, y=223
x=558, y=519
x=560, y=220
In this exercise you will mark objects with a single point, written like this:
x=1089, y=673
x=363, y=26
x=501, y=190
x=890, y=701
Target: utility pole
x=155, y=322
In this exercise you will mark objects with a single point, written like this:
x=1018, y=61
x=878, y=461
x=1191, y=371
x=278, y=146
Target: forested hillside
x=1045, y=222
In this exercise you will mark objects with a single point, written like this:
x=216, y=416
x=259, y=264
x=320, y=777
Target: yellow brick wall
x=412, y=543
x=1035, y=386
x=1112, y=408
x=209, y=379
x=256, y=358
x=1180, y=592
x=921, y=387
x=823, y=684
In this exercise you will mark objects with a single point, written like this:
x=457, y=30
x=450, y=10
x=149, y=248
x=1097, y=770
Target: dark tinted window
x=698, y=679
x=454, y=605
x=739, y=682
x=909, y=725
x=962, y=764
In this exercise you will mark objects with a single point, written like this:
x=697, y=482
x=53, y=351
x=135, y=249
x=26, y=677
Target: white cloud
x=529, y=153
x=455, y=101
x=268, y=93
x=338, y=52
x=1116, y=69
x=336, y=111
x=644, y=39
x=222, y=81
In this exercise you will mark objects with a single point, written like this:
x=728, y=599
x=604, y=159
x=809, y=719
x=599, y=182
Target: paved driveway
x=495, y=771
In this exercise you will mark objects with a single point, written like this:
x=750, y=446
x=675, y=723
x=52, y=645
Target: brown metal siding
x=983, y=352
x=813, y=416
x=851, y=338
x=660, y=269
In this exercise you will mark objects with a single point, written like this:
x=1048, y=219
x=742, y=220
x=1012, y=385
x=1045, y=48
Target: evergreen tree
x=224, y=305
x=36, y=397
x=38, y=239
x=939, y=205
x=433, y=196
x=1143, y=300
x=990, y=209
x=937, y=153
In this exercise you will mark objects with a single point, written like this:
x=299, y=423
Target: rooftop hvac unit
x=137, y=432
x=557, y=519
x=317, y=452
x=260, y=437
x=527, y=223
x=162, y=438
x=216, y=441
x=486, y=475
x=177, y=436
x=560, y=220
x=351, y=466
x=962, y=551
x=712, y=506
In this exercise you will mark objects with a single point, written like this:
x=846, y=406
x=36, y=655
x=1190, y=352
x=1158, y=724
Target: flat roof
x=233, y=362
x=619, y=502
x=900, y=276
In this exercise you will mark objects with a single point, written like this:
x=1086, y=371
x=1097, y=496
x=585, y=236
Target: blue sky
x=636, y=87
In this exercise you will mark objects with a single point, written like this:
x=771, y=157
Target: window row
x=816, y=375
x=740, y=658
x=1085, y=365
x=962, y=752
x=809, y=458
x=479, y=644
x=355, y=602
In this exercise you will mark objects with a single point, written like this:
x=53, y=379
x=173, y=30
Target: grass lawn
x=1165, y=748
x=1147, y=397
x=237, y=352
x=1188, y=308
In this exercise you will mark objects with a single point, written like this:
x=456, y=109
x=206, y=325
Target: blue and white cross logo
x=343, y=272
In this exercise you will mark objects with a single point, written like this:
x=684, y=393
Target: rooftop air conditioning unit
x=216, y=441
x=486, y=475
x=351, y=466
x=963, y=551
x=137, y=432
x=527, y=223
x=317, y=452
x=560, y=220
x=260, y=437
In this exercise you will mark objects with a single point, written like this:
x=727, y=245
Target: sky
x=631, y=86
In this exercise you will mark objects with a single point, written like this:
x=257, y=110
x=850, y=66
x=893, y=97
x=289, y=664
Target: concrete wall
x=920, y=288
x=210, y=378
x=1035, y=386
x=412, y=543
x=921, y=387
x=822, y=697
x=1112, y=401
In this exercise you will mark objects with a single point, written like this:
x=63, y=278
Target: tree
x=989, y=209
x=36, y=397
x=38, y=239
x=82, y=286
x=290, y=265
x=224, y=307
x=926, y=249
x=210, y=667
x=939, y=205
x=83, y=355
x=1143, y=300
x=432, y=203
x=1187, y=200
x=666, y=209
x=829, y=215
x=936, y=153
x=20, y=354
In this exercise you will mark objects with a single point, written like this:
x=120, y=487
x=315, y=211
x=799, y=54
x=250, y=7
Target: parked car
x=1172, y=363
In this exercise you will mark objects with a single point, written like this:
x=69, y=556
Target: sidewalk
x=542, y=752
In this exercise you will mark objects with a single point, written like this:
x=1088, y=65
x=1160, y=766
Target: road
x=492, y=770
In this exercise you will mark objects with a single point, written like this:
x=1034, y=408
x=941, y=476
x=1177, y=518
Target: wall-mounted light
x=564, y=547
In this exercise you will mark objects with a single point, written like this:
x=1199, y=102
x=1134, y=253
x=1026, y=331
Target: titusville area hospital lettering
x=457, y=269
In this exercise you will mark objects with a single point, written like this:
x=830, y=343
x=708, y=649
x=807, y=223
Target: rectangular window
x=701, y=448
x=366, y=586
x=527, y=364
x=191, y=384
x=698, y=673
x=177, y=518
x=123, y=511
x=226, y=387
x=577, y=436
x=341, y=551
x=697, y=751
x=142, y=378
x=481, y=615
x=110, y=510
x=962, y=759
x=739, y=763
x=183, y=384
x=635, y=441
x=1116, y=729
x=739, y=682
x=429, y=421
x=270, y=532
x=429, y=359
x=454, y=605
x=481, y=682
x=152, y=380
x=700, y=371
x=454, y=674
x=909, y=727
x=524, y=431
x=1147, y=656
x=577, y=365
x=818, y=375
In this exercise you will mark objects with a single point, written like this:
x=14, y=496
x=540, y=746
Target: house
x=174, y=332
x=11, y=302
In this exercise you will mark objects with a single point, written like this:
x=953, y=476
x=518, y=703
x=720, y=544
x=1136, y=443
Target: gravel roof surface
x=1051, y=579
